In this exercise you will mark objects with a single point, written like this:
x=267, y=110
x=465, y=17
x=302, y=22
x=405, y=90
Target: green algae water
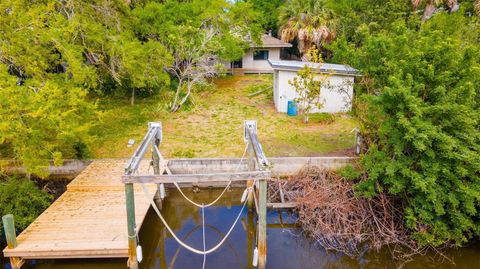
x=286, y=245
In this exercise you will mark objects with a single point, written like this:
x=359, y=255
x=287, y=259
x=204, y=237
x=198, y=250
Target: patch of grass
x=324, y=118
x=214, y=126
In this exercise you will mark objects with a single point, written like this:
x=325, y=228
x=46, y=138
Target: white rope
x=203, y=232
x=194, y=250
x=221, y=194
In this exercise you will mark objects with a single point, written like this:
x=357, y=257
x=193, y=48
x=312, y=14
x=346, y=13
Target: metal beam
x=251, y=136
x=196, y=178
x=154, y=133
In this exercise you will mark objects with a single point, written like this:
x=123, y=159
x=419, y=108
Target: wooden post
x=250, y=236
x=251, y=167
x=262, y=225
x=163, y=260
x=11, y=236
x=132, y=236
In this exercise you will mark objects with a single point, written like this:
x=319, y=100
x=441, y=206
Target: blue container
x=292, y=108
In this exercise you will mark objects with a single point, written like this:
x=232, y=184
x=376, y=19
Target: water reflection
x=286, y=246
x=186, y=220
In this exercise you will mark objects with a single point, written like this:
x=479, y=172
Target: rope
x=221, y=194
x=194, y=250
x=203, y=232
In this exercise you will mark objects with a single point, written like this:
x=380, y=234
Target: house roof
x=324, y=67
x=269, y=41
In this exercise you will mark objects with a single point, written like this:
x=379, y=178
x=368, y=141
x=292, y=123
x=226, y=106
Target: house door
x=237, y=64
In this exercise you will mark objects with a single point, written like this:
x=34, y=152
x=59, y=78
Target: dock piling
x=132, y=235
x=262, y=225
x=11, y=236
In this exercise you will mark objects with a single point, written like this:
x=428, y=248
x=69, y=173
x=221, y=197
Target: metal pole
x=10, y=234
x=156, y=169
x=132, y=236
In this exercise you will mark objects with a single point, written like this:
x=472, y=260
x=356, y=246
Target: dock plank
x=89, y=220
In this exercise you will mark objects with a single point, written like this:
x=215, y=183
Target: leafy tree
x=309, y=83
x=421, y=121
x=376, y=15
x=199, y=34
x=23, y=199
x=91, y=44
x=52, y=55
x=269, y=13
x=311, y=22
x=43, y=121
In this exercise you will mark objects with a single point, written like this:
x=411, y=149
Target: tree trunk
x=185, y=98
x=132, y=99
x=429, y=10
x=174, y=107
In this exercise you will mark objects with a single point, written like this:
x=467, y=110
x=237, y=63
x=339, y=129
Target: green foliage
x=422, y=121
x=42, y=122
x=308, y=23
x=22, y=198
x=323, y=117
x=377, y=15
x=350, y=173
x=199, y=35
x=52, y=54
x=55, y=54
x=308, y=85
x=183, y=153
x=269, y=11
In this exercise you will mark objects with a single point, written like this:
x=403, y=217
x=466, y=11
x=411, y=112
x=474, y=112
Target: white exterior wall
x=334, y=100
x=249, y=63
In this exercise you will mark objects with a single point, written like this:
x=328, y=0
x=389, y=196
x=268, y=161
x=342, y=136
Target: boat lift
x=255, y=177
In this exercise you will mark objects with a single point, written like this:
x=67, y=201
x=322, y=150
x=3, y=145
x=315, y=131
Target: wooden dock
x=88, y=221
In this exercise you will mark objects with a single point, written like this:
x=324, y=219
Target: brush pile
x=337, y=219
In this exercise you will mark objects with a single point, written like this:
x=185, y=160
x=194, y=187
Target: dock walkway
x=88, y=221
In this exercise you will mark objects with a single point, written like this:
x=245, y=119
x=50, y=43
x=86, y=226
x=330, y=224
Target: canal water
x=286, y=246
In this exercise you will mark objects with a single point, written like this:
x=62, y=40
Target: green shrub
x=325, y=118
x=349, y=172
x=22, y=198
x=183, y=153
x=422, y=124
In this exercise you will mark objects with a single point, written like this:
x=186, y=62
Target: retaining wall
x=281, y=166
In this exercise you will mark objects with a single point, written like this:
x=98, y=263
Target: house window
x=260, y=55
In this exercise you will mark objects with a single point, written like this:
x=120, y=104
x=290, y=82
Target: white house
x=336, y=98
x=257, y=57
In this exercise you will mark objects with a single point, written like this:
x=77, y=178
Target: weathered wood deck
x=88, y=221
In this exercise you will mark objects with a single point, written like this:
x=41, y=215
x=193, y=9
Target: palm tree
x=430, y=7
x=308, y=21
x=477, y=6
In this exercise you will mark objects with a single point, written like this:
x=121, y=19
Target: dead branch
x=331, y=214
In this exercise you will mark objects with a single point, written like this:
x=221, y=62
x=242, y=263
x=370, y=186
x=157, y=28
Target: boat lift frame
x=259, y=172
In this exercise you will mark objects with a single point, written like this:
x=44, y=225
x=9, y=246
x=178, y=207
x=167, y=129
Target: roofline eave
x=328, y=72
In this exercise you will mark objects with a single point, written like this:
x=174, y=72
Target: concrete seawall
x=280, y=166
x=69, y=170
